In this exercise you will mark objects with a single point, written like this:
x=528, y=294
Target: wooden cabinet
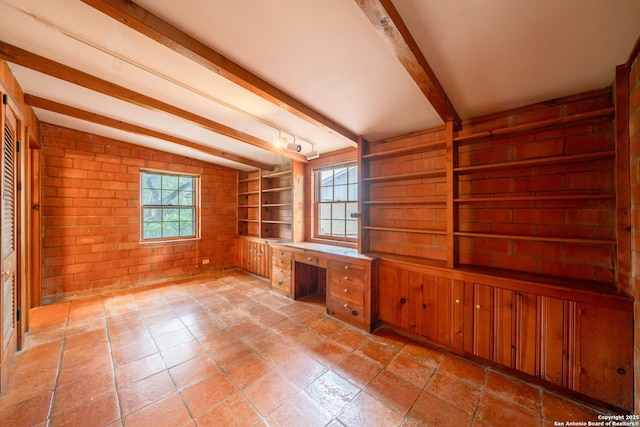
x=252, y=255
x=347, y=293
x=281, y=271
x=572, y=339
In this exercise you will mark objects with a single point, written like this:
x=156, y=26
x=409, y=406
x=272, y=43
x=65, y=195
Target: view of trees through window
x=168, y=204
x=337, y=196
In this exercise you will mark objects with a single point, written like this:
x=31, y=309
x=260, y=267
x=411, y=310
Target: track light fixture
x=313, y=154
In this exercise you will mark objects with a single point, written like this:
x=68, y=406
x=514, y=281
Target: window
x=337, y=199
x=169, y=206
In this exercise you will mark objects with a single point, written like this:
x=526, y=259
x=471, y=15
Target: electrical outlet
x=205, y=261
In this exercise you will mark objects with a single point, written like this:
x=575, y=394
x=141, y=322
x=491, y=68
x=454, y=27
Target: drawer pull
x=346, y=291
x=478, y=306
x=457, y=301
x=346, y=277
x=309, y=259
x=347, y=306
x=346, y=267
x=280, y=282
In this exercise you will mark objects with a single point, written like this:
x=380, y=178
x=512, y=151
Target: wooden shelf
x=406, y=230
x=416, y=201
x=537, y=162
x=248, y=220
x=594, y=115
x=537, y=238
x=255, y=178
x=248, y=193
x=277, y=174
x=533, y=198
x=414, y=149
x=267, y=221
x=275, y=190
x=405, y=176
x=248, y=206
x=277, y=205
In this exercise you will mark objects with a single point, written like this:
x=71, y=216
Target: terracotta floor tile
x=217, y=339
x=171, y=325
x=202, y=395
x=279, y=351
x=306, y=338
x=393, y=391
x=390, y=337
x=379, y=352
x=27, y=413
x=259, y=340
x=424, y=353
x=202, y=328
x=269, y=392
x=300, y=410
x=247, y=370
x=328, y=352
x=28, y=388
x=358, y=369
x=332, y=392
x=326, y=326
x=171, y=339
x=233, y=411
x=431, y=411
x=465, y=370
x=101, y=411
x=139, y=394
x=410, y=370
x=513, y=390
x=350, y=338
x=231, y=353
x=452, y=390
x=85, y=368
x=167, y=412
x=495, y=412
x=81, y=392
x=365, y=410
x=302, y=370
x=134, y=351
x=181, y=353
x=558, y=408
x=139, y=369
x=270, y=317
x=193, y=370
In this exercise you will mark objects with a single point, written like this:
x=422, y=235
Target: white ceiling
x=489, y=56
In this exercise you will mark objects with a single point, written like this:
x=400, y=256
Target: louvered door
x=8, y=234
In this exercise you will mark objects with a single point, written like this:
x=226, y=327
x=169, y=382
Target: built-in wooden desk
x=347, y=279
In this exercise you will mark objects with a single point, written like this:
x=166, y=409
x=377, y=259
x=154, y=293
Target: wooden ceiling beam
x=144, y=22
x=389, y=24
x=56, y=107
x=46, y=66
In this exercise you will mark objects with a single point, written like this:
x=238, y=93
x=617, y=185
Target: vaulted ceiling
x=220, y=80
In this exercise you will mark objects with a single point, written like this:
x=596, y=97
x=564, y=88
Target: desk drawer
x=354, y=295
x=311, y=259
x=346, y=310
x=341, y=273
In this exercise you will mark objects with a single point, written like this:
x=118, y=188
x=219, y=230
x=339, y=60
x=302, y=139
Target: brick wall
x=91, y=218
x=634, y=154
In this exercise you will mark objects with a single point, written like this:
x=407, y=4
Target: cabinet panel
x=503, y=325
x=281, y=271
x=478, y=320
x=400, y=298
x=442, y=310
x=552, y=344
x=605, y=368
x=527, y=320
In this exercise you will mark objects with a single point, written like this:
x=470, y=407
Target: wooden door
x=503, y=325
x=442, y=310
x=478, y=335
x=9, y=243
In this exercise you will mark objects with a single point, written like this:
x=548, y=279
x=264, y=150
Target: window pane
x=340, y=193
x=353, y=192
x=325, y=227
x=327, y=194
x=352, y=229
x=170, y=182
x=152, y=215
x=151, y=197
x=186, y=198
x=337, y=228
x=186, y=229
x=353, y=175
x=352, y=208
x=170, y=215
x=152, y=230
x=169, y=197
x=326, y=178
x=186, y=215
x=324, y=211
x=338, y=211
x=339, y=176
x=151, y=181
x=185, y=183
x=170, y=229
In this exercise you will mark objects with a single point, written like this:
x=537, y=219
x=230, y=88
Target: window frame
x=317, y=201
x=195, y=206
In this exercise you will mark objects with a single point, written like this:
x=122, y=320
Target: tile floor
x=226, y=351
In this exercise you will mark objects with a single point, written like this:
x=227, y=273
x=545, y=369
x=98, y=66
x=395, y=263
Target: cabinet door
x=442, y=310
x=503, y=327
x=553, y=350
x=525, y=340
x=478, y=337
x=604, y=354
x=388, y=306
x=400, y=301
